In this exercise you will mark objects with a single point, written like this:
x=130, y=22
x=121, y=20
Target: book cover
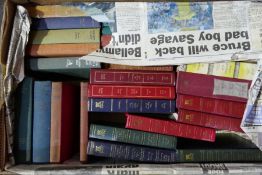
x=211, y=105
x=131, y=91
x=131, y=105
x=64, y=121
x=24, y=121
x=212, y=86
x=84, y=122
x=170, y=127
x=130, y=152
x=41, y=122
x=201, y=68
x=64, y=23
x=132, y=77
x=145, y=68
x=70, y=66
x=65, y=36
x=209, y=120
x=225, y=69
x=61, y=50
x=247, y=70
x=123, y=135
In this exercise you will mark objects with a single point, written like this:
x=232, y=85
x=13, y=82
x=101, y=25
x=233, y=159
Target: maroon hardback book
x=209, y=120
x=211, y=105
x=128, y=91
x=132, y=77
x=170, y=127
x=212, y=86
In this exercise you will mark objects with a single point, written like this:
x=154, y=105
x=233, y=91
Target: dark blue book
x=64, y=23
x=41, y=121
x=130, y=152
x=131, y=105
x=24, y=121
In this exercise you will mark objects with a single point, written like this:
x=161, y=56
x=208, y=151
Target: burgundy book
x=127, y=91
x=211, y=105
x=170, y=127
x=129, y=77
x=213, y=86
x=209, y=120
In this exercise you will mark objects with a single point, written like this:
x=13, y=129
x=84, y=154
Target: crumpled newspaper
x=15, y=70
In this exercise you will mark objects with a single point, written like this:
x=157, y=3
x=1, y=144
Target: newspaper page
x=173, y=33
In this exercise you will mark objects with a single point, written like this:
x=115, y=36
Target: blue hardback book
x=131, y=105
x=130, y=152
x=24, y=121
x=41, y=121
x=64, y=23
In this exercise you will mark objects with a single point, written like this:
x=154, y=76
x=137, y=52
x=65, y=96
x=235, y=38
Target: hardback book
x=211, y=105
x=65, y=99
x=130, y=152
x=24, y=121
x=228, y=147
x=41, y=122
x=131, y=91
x=123, y=135
x=132, y=77
x=170, y=127
x=84, y=122
x=212, y=86
x=131, y=105
x=209, y=120
x=61, y=50
x=145, y=68
x=65, y=36
x=70, y=66
x=64, y=23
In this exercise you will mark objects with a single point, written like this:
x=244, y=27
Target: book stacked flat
x=211, y=101
x=64, y=39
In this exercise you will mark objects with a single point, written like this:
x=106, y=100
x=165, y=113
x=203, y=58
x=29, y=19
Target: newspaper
x=172, y=33
x=141, y=169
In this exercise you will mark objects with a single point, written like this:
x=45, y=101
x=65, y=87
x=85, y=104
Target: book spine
x=209, y=120
x=139, y=92
x=169, y=127
x=64, y=23
x=128, y=152
x=105, y=40
x=140, y=68
x=61, y=50
x=84, y=126
x=131, y=105
x=219, y=155
x=209, y=105
x=212, y=86
x=56, y=118
x=24, y=121
x=41, y=122
x=132, y=136
x=66, y=36
x=107, y=76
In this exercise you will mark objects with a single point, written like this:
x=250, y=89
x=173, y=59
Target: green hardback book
x=227, y=148
x=65, y=36
x=64, y=66
x=132, y=136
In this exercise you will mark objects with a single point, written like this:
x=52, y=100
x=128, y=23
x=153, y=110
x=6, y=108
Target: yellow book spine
x=226, y=69
x=65, y=36
x=48, y=11
x=201, y=68
x=247, y=70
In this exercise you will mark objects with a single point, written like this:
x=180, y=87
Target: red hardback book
x=135, y=77
x=64, y=121
x=209, y=120
x=170, y=127
x=212, y=86
x=211, y=105
x=144, y=68
x=127, y=91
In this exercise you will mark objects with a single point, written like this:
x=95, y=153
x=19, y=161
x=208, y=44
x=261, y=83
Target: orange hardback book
x=61, y=50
